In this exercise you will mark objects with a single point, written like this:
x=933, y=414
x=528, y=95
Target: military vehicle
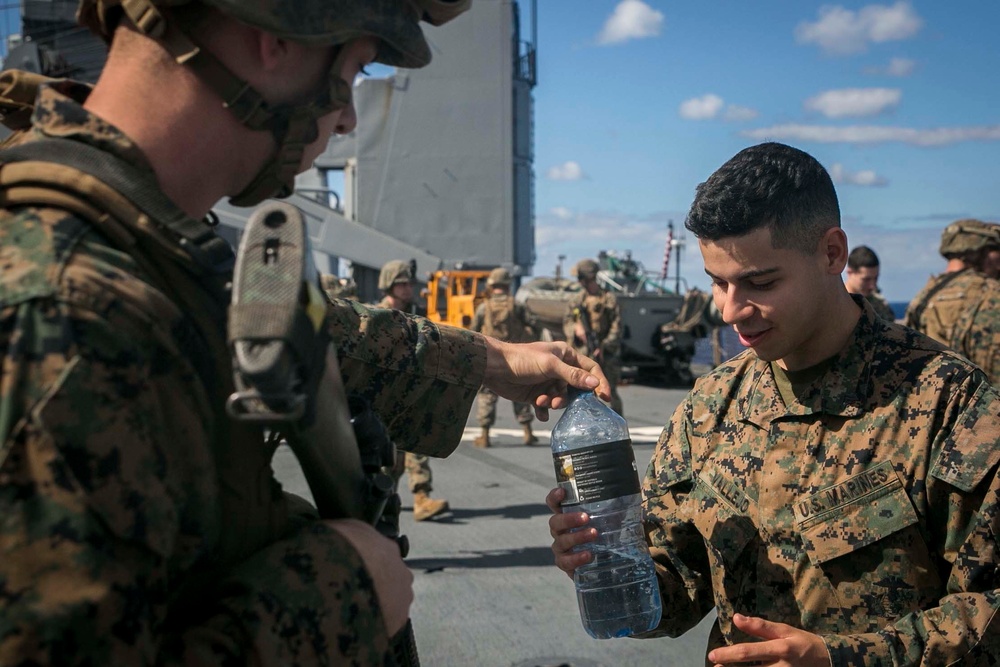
x=659, y=326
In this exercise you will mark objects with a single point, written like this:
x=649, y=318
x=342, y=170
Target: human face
x=402, y=292
x=356, y=55
x=863, y=281
x=774, y=298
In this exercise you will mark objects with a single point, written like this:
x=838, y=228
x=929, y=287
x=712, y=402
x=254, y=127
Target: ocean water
x=731, y=342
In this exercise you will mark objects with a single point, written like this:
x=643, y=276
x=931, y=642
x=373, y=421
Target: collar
x=840, y=391
x=63, y=117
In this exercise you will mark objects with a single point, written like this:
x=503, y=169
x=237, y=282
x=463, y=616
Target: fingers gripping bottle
x=617, y=591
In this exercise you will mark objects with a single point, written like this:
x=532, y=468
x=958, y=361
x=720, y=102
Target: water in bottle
x=617, y=591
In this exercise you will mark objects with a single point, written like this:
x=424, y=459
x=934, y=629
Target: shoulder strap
x=918, y=312
x=211, y=252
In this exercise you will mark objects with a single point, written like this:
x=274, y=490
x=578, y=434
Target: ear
x=272, y=51
x=833, y=251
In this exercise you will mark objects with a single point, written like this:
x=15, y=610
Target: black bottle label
x=600, y=472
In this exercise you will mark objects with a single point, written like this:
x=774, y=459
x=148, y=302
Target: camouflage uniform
x=881, y=307
x=417, y=466
x=963, y=312
x=606, y=322
x=867, y=511
x=140, y=525
x=501, y=318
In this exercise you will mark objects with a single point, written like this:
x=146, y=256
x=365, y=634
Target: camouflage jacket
x=937, y=307
x=962, y=310
x=867, y=512
x=117, y=544
x=605, y=320
x=500, y=317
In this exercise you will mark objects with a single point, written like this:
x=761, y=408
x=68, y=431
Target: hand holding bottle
x=568, y=532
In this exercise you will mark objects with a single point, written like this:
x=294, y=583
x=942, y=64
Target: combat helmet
x=968, y=235
x=394, y=272
x=586, y=268
x=395, y=23
x=499, y=277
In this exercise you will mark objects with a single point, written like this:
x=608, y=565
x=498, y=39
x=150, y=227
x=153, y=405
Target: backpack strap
x=918, y=311
x=138, y=188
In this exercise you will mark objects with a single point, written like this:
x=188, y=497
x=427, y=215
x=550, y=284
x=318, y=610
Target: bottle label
x=596, y=473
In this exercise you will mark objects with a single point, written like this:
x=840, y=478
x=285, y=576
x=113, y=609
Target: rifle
x=288, y=380
x=593, y=345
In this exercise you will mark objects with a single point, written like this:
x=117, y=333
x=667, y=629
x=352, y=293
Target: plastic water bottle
x=592, y=451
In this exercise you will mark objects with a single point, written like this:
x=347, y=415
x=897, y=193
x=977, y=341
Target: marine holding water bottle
x=832, y=492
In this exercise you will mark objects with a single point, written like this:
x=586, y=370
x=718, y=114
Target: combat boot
x=483, y=440
x=529, y=437
x=425, y=507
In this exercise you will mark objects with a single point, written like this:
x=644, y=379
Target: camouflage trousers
x=418, y=471
x=486, y=409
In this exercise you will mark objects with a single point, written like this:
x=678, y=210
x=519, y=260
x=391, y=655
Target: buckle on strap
x=146, y=17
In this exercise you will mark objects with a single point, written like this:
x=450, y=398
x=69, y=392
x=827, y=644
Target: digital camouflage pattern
x=881, y=307
x=606, y=322
x=138, y=525
x=500, y=317
x=977, y=333
x=944, y=300
x=867, y=511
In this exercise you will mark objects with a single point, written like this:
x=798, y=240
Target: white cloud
x=567, y=171
x=875, y=134
x=561, y=212
x=848, y=102
x=736, y=112
x=632, y=19
x=841, y=31
x=866, y=178
x=701, y=108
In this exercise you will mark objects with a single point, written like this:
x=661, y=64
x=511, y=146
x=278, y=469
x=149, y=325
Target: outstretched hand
x=783, y=646
x=538, y=373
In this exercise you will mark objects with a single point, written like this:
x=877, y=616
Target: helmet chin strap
x=293, y=127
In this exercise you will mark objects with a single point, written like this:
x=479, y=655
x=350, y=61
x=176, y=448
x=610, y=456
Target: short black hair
x=771, y=185
x=862, y=257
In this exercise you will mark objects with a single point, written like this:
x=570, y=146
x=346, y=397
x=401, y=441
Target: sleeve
x=612, y=343
x=111, y=517
x=421, y=378
x=963, y=491
x=677, y=548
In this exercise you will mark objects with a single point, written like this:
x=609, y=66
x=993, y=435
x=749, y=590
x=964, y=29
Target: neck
x=830, y=335
x=955, y=265
x=199, y=152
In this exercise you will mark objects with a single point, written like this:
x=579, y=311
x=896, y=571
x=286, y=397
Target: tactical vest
x=941, y=308
x=500, y=320
x=191, y=265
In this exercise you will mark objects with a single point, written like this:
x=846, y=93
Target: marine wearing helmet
x=499, y=277
x=173, y=23
x=968, y=235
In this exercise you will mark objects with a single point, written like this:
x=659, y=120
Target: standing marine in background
x=593, y=326
x=500, y=317
x=396, y=281
x=862, y=278
x=961, y=307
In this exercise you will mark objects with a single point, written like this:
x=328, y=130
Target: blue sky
x=638, y=101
